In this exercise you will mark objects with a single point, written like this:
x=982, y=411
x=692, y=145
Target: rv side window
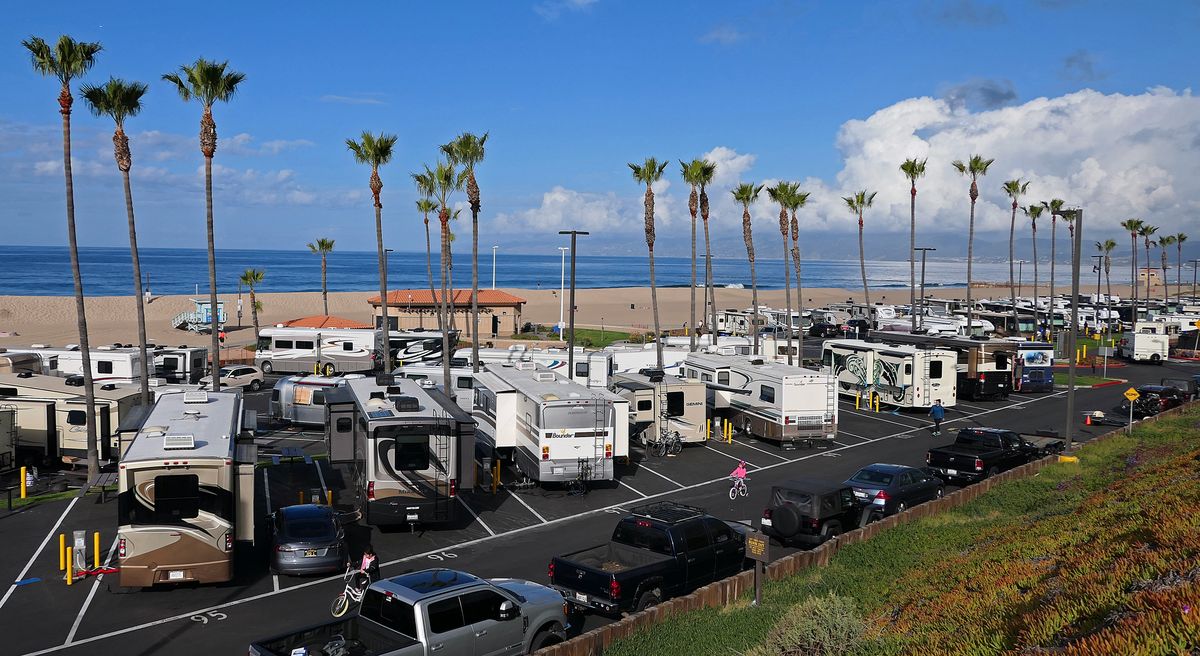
x=344, y=425
x=464, y=382
x=198, y=364
x=412, y=445
x=306, y=345
x=77, y=418
x=283, y=344
x=907, y=369
x=104, y=366
x=318, y=397
x=1001, y=361
x=935, y=369
x=767, y=393
x=8, y=391
x=645, y=405
x=581, y=369
x=347, y=346
x=707, y=378
x=170, y=364
x=722, y=377
x=674, y=404
x=176, y=496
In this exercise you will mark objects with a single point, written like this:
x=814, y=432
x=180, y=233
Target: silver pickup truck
x=435, y=612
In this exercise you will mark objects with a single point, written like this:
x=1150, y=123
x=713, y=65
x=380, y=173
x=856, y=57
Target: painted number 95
x=214, y=615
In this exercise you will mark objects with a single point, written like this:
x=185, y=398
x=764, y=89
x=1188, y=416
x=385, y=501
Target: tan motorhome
x=660, y=404
x=51, y=415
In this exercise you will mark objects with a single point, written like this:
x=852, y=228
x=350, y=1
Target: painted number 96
x=445, y=555
x=214, y=615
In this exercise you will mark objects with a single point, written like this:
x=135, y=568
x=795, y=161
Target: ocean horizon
x=107, y=271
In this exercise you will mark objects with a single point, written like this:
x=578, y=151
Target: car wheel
x=992, y=471
x=901, y=507
x=648, y=599
x=545, y=638
x=941, y=492
x=1155, y=359
x=255, y=385
x=267, y=368
x=831, y=530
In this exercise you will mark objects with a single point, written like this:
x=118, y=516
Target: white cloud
x=563, y=208
x=552, y=9
x=357, y=99
x=725, y=35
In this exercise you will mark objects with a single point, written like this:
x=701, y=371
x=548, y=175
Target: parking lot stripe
x=527, y=506
x=320, y=475
x=749, y=446
x=845, y=432
x=837, y=443
x=660, y=475
x=470, y=510
x=875, y=416
x=92, y=593
x=732, y=457
x=635, y=491
x=267, y=489
x=39, y=549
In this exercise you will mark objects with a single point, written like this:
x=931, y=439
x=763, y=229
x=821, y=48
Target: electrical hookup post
x=758, y=547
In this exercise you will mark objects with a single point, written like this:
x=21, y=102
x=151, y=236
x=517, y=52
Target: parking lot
x=512, y=533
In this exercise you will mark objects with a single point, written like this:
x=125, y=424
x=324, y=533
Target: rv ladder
x=442, y=473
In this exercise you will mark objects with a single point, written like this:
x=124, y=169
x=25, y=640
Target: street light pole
x=1074, y=328
x=1098, y=267
x=494, y=266
x=924, y=251
x=1194, y=264
x=571, y=344
x=562, y=288
x=1020, y=276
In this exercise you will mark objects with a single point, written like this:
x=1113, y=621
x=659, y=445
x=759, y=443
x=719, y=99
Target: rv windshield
x=264, y=344
x=172, y=498
x=411, y=445
x=574, y=416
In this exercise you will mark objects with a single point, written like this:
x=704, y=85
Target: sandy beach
x=27, y=320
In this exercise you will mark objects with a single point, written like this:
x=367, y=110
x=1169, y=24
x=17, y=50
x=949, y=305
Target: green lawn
x=586, y=337
x=1060, y=378
x=1094, y=557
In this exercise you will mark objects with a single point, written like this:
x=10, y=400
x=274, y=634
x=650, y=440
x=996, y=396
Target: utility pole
x=494, y=266
x=562, y=289
x=1194, y=264
x=924, y=251
x=571, y=344
x=1074, y=327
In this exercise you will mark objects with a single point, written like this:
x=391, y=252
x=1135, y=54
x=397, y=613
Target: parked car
x=307, y=539
x=659, y=551
x=239, y=375
x=891, y=489
x=1189, y=386
x=774, y=331
x=1153, y=399
x=809, y=512
x=823, y=329
x=979, y=453
x=855, y=329
x=433, y=612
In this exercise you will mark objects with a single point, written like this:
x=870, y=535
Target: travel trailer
x=186, y=490
x=16, y=363
x=552, y=429
x=771, y=401
x=110, y=364
x=739, y=322
x=592, y=368
x=462, y=380
x=632, y=358
x=409, y=449
x=1147, y=342
x=904, y=376
x=301, y=399
x=52, y=418
x=660, y=405
x=985, y=365
x=315, y=350
x=183, y=364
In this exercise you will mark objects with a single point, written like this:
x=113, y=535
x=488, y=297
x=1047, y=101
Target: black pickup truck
x=659, y=551
x=979, y=453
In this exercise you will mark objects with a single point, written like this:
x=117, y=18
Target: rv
x=551, y=428
x=312, y=350
x=8, y=437
x=52, y=417
x=592, y=368
x=462, y=379
x=904, y=376
x=1147, y=342
x=409, y=448
x=771, y=401
x=739, y=322
x=16, y=363
x=301, y=399
x=110, y=364
x=184, y=364
x=1033, y=369
x=985, y=365
x=632, y=358
x=660, y=404
x=186, y=490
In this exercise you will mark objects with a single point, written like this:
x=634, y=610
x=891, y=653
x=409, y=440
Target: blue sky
x=571, y=90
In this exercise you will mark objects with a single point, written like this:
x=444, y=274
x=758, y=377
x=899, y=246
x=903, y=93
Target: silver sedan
x=306, y=539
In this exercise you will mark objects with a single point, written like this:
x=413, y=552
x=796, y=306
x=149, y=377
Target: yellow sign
x=756, y=547
x=1132, y=394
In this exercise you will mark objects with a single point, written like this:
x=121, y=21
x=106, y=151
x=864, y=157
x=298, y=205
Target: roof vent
x=394, y=389
x=108, y=387
x=197, y=397
x=526, y=366
x=179, y=442
x=545, y=376
x=378, y=395
x=25, y=374
x=406, y=403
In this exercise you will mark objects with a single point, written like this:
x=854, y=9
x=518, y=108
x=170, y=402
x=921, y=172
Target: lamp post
x=1020, y=276
x=924, y=251
x=494, y=266
x=571, y=344
x=1074, y=328
x=1098, y=266
x=1194, y=265
x=562, y=288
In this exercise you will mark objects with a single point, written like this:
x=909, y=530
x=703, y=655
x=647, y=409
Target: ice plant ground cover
x=1096, y=557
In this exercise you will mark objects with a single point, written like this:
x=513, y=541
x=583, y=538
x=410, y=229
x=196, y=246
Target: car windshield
x=225, y=371
x=309, y=529
x=872, y=477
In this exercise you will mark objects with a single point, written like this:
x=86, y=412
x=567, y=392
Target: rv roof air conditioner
x=406, y=403
x=178, y=442
x=197, y=397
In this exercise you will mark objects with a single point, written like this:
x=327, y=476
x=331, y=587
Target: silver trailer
x=301, y=399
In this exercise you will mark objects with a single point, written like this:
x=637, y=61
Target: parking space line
x=660, y=475
x=477, y=541
x=838, y=443
x=748, y=446
x=635, y=490
x=32, y=558
x=320, y=475
x=267, y=494
x=733, y=457
x=845, y=432
x=92, y=593
x=875, y=416
x=527, y=506
x=481, y=522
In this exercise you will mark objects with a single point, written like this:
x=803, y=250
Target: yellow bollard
x=62, y=551
x=96, y=548
x=708, y=430
x=857, y=399
x=301, y=493
x=496, y=476
x=1085, y=351
x=70, y=565
x=22, y=482
x=729, y=433
x=329, y=497
x=877, y=398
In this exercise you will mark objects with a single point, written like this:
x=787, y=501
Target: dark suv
x=1153, y=400
x=809, y=512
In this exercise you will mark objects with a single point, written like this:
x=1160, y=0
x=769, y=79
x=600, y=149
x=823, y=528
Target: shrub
x=826, y=625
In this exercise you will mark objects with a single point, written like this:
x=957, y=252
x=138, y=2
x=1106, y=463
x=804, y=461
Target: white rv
x=660, y=404
x=462, y=380
x=184, y=364
x=551, y=428
x=52, y=417
x=311, y=350
x=592, y=368
x=1147, y=342
x=739, y=322
x=632, y=358
x=409, y=449
x=769, y=400
x=904, y=376
x=110, y=364
x=8, y=438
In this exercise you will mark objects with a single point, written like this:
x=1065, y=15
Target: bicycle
x=357, y=582
x=669, y=444
x=739, y=488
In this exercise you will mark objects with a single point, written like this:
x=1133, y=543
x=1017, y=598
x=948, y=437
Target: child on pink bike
x=739, y=472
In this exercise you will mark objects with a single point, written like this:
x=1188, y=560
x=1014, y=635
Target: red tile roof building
x=417, y=308
x=324, y=321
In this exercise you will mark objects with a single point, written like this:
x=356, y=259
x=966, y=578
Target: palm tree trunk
x=429, y=271
x=253, y=314
x=970, y=253
x=692, y=315
x=753, y=301
x=912, y=257
x=212, y=276
x=1147, y=274
x=1179, y=270
x=1133, y=284
x=1166, y=287
x=1050, y=315
x=654, y=304
x=386, y=339
x=1108, y=300
x=1012, y=256
x=787, y=295
x=1036, y=314
x=799, y=305
x=137, y=290
x=324, y=286
x=443, y=303
x=862, y=263
x=89, y=392
x=708, y=284
x=474, y=290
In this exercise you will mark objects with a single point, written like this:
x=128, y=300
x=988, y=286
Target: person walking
x=938, y=413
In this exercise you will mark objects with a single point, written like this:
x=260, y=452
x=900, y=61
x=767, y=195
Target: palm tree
x=466, y=151
x=208, y=82
x=1133, y=226
x=1180, y=237
x=648, y=173
x=779, y=195
x=322, y=247
x=251, y=278
x=796, y=199
x=1054, y=207
x=67, y=60
x=857, y=203
x=425, y=205
x=1146, y=231
x=973, y=168
x=707, y=172
x=746, y=193
x=1015, y=189
x=1106, y=248
x=1033, y=212
x=445, y=179
x=120, y=100
x=913, y=169
x=691, y=172
x=1163, y=242
x=375, y=151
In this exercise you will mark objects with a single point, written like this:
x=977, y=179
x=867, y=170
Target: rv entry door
x=339, y=432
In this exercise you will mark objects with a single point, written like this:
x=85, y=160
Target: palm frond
x=67, y=60
x=465, y=150
x=373, y=150
x=206, y=80
x=648, y=172
x=913, y=169
x=116, y=98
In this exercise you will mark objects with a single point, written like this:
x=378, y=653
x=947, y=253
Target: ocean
x=46, y=271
